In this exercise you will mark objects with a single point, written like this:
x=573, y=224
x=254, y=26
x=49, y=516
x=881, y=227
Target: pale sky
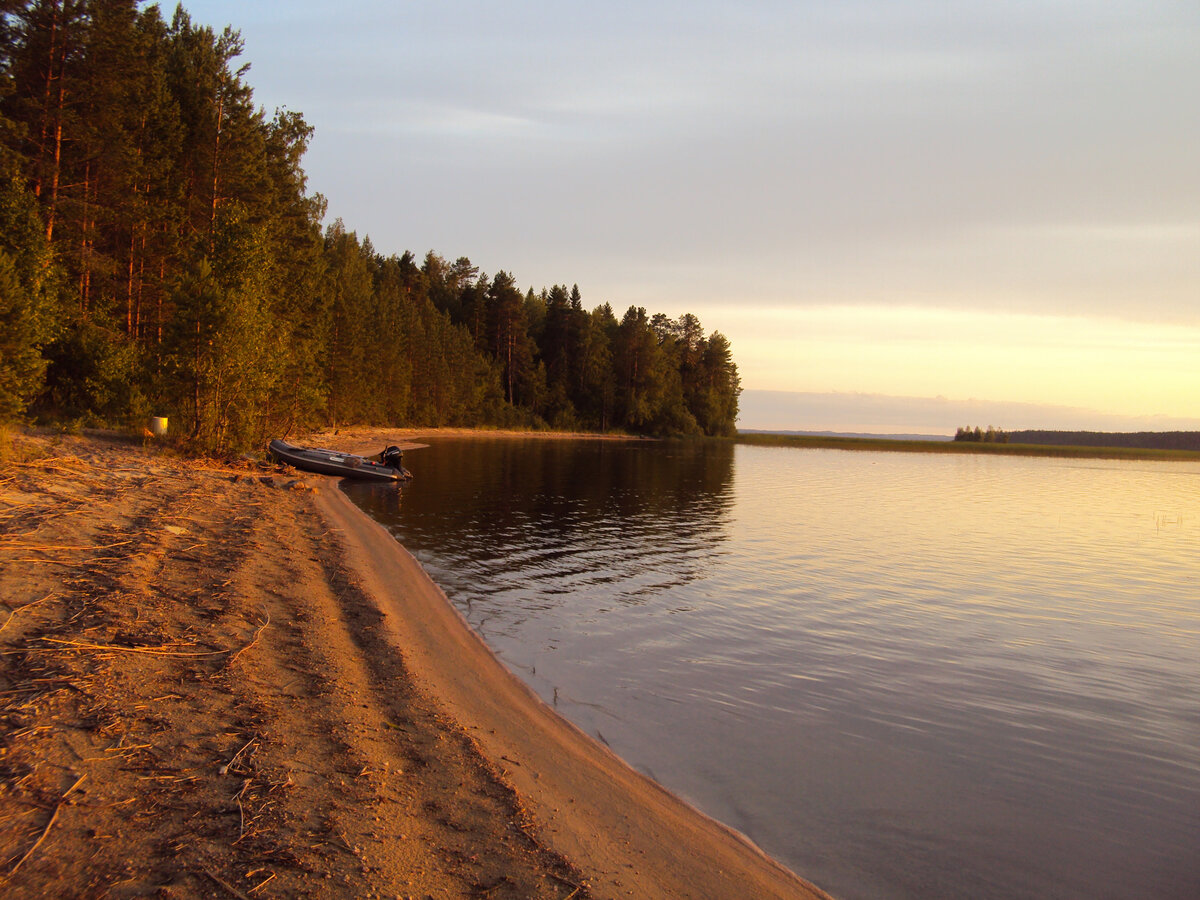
x=994, y=201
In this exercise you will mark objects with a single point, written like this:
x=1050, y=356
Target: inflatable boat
x=388, y=467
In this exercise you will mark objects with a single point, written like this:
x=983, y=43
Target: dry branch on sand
x=67, y=644
x=45, y=831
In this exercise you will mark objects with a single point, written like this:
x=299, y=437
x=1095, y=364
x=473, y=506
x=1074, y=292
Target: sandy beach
x=226, y=681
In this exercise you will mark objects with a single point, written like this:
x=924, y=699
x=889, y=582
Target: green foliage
x=224, y=348
x=977, y=435
x=92, y=373
x=27, y=301
x=21, y=363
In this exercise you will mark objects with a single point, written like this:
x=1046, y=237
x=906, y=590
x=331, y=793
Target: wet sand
x=228, y=681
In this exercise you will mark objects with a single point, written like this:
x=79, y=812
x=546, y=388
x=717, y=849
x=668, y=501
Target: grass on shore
x=823, y=442
x=15, y=448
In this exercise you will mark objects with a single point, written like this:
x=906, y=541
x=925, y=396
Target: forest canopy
x=160, y=254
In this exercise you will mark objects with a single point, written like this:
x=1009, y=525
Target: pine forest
x=160, y=255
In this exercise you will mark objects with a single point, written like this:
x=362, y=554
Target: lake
x=902, y=675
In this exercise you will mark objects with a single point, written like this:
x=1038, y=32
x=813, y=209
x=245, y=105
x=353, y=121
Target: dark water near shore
x=903, y=675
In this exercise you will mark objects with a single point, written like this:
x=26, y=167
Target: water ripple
x=905, y=675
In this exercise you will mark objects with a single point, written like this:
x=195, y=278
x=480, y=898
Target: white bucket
x=158, y=426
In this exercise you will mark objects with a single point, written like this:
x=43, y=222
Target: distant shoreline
x=864, y=435
x=910, y=445
x=362, y=439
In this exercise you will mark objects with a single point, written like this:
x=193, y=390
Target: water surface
x=903, y=675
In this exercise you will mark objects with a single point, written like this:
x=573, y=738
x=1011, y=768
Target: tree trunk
x=47, y=94
x=216, y=177
x=85, y=256
x=56, y=168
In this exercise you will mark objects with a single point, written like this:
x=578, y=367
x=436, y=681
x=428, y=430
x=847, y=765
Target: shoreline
x=315, y=718
x=364, y=440
x=360, y=439
x=895, y=445
x=619, y=814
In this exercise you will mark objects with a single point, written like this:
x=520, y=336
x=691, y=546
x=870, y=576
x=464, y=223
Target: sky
x=989, y=207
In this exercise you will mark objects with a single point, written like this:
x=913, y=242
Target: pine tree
x=28, y=300
x=556, y=351
x=21, y=365
x=510, y=343
x=638, y=361
x=721, y=387
x=597, y=375
x=351, y=292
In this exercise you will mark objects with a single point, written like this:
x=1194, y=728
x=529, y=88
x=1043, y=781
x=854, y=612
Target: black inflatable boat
x=346, y=465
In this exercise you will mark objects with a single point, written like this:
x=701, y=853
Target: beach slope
x=228, y=681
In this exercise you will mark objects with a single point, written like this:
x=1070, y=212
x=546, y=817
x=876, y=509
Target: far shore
x=359, y=439
x=826, y=442
x=225, y=680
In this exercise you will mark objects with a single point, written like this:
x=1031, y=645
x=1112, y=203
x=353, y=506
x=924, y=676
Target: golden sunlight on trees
x=159, y=252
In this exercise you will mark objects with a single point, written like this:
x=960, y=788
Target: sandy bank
x=230, y=682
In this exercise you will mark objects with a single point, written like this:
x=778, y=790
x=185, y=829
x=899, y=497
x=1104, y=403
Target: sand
x=226, y=681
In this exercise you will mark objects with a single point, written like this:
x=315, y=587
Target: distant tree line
x=1149, y=440
x=159, y=253
x=979, y=436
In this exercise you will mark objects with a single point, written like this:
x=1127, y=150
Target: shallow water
x=904, y=675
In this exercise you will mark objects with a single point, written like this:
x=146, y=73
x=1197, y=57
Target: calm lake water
x=903, y=675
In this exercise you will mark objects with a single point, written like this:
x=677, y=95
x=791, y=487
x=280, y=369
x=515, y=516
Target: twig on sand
x=26, y=606
x=241, y=810
x=149, y=651
x=45, y=464
x=225, y=884
x=53, y=818
x=253, y=640
x=224, y=770
x=262, y=884
x=570, y=884
x=500, y=882
x=46, y=548
x=121, y=648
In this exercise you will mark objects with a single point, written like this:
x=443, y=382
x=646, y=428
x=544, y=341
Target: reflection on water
x=904, y=675
x=530, y=524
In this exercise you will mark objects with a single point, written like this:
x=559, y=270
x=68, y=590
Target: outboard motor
x=393, y=457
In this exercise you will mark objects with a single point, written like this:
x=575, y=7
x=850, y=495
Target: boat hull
x=332, y=462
